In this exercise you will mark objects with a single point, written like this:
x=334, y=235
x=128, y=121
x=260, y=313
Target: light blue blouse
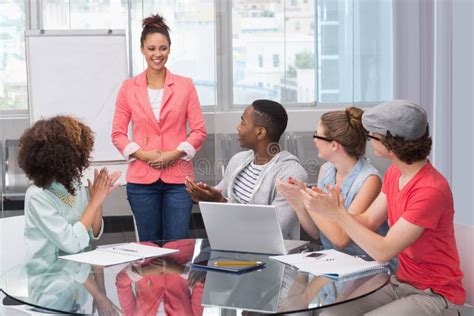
x=351, y=186
x=51, y=225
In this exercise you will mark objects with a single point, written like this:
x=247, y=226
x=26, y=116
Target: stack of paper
x=334, y=263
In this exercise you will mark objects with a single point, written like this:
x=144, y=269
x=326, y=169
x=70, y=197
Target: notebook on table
x=246, y=228
x=331, y=263
x=108, y=256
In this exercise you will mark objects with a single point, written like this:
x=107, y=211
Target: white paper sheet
x=119, y=254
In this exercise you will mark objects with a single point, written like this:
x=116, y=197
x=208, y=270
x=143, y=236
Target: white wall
x=463, y=136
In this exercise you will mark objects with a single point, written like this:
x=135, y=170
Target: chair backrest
x=304, y=149
x=15, y=180
x=12, y=249
x=464, y=237
x=204, y=163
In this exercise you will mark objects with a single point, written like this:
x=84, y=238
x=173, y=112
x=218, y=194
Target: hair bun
x=354, y=115
x=154, y=21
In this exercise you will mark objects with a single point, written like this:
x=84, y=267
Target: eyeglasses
x=315, y=135
x=370, y=136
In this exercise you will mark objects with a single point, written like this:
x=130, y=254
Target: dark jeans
x=162, y=211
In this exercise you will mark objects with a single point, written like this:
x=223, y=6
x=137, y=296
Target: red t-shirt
x=432, y=261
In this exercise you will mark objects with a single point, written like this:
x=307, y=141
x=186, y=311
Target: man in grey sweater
x=251, y=175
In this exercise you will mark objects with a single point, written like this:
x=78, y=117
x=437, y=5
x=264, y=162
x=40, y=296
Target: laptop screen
x=243, y=227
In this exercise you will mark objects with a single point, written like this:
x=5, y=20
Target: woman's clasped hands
x=161, y=159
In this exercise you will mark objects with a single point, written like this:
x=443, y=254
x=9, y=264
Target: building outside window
x=13, y=91
x=325, y=51
x=276, y=60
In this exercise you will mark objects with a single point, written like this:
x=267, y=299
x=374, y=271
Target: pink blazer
x=180, y=106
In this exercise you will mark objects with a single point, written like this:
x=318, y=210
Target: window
x=13, y=91
x=355, y=51
x=193, y=48
x=297, y=52
x=268, y=27
x=192, y=25
x=276, y=60
x=260, y=61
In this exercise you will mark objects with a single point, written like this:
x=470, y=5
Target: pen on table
x=237, y=263
x=124, y=249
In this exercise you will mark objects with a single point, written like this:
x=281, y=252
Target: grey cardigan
x=281, y=167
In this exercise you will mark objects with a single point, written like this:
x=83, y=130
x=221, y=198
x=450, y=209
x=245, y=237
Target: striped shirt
x=245, y=182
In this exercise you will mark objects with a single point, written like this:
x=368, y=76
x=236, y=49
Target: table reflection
x=160, y=284
x=62, y=285
x=168, y=285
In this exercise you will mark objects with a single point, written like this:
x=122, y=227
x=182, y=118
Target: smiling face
x=156, y=49
x=246, y=130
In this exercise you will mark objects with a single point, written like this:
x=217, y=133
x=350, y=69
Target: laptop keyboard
x=293, y=244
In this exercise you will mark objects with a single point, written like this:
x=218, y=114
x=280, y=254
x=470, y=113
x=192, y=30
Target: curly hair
x=56, y=149
x=154, y=24
x=345, y=127
x=409, y=151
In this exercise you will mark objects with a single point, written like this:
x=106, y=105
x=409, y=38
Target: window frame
x=224, y=100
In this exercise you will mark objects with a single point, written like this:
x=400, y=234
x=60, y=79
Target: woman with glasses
x=341, y=140
x=418, y=203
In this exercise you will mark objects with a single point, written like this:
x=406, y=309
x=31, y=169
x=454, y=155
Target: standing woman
x=160, y=105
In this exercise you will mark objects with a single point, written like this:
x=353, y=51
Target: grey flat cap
x=399, y=117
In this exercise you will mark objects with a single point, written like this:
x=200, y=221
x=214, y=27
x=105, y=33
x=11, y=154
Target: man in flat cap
x=418, y=203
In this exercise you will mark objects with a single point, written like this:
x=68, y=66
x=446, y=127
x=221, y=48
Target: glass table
x=171, y=285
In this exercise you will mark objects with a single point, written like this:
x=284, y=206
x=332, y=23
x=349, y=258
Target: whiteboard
x=79, y=73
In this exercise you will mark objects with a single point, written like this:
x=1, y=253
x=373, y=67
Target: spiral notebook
x=334, y=264
x=108, y=256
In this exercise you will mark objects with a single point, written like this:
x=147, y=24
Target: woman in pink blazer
x=160, y=105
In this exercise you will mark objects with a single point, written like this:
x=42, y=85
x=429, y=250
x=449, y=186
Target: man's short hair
x=272, y=116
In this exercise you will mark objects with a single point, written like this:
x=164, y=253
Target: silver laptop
x=246, y=228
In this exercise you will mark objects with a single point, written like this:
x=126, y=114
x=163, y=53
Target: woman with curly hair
x=58, y=216
x=160, y=106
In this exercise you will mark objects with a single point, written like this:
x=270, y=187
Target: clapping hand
x=291, y=191
x=325, y=204
x=202, y=192
x=103, y=184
